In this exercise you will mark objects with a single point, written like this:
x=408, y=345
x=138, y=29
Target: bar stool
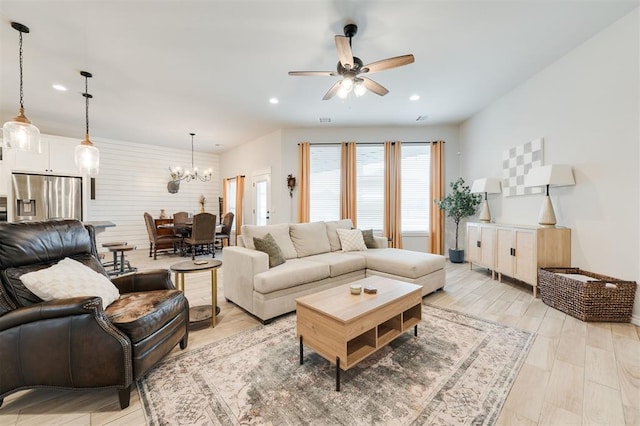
x=121, y=249
x=114, y=262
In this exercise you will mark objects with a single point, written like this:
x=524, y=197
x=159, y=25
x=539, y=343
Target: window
x=415, y=187
x=324, y=183
x=370, y=186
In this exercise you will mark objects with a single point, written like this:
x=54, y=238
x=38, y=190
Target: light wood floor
x=576, y=372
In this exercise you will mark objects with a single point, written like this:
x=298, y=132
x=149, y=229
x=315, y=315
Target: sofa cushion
x=142, y=313
x=369, y=240
x=290, y=274
x=309, y=238
x=70, y=278
x=339, y=264
x=404, y=263
x=334, y=240
x=351, y=239
x=268, y=245
x=280, y=233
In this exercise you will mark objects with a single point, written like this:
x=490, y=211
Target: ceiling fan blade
x=388, y=63
x=332, y=92
x=374, y=87
x=344, y=51
x=318, y=73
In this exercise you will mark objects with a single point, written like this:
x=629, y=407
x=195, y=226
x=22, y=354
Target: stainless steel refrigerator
x=41, y=197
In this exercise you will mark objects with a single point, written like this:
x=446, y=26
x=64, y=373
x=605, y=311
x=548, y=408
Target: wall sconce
x=291, y=184
x=552, y=175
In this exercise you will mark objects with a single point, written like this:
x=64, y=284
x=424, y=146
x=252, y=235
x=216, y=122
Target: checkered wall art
x=516, y=162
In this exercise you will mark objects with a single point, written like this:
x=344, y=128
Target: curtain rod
x=365, y=143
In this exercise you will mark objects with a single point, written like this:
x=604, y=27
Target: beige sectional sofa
x=314, y=261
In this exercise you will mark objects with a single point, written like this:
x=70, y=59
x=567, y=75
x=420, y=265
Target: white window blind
x=324, y=183
x=415, y=187
x=370, y=186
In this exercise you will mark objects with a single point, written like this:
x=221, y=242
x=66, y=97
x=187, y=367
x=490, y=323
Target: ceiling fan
x=351, y=69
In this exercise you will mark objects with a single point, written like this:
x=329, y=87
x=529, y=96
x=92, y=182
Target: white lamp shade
x=553, y=175
x=21, y=136
x=488, y=185
x=87, y=159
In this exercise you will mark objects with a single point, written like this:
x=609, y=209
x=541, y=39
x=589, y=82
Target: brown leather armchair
x=74, y=343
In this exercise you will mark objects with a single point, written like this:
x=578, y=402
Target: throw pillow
x=70, y=278
x=268, y=245
x=351, y=239
x=369, y=241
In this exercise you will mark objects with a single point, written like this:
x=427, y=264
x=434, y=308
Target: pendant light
x=87, y=156
x=19, y=133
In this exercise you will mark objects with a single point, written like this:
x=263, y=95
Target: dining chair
x=180, y=224
x=155, y=239
x=225, y=232
x=203, y=232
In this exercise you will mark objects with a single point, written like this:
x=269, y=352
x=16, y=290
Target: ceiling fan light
x=347, y=84
x=342, y=93
x=359, y=89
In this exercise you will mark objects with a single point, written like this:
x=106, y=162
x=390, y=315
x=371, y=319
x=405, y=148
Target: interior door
x=261, y=184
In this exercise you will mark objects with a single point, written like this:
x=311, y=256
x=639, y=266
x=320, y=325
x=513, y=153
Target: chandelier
x=179, y=174
x=19, y=133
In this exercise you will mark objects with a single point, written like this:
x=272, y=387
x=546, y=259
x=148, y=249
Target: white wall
x=586, y=107
x=260, y=154
x=133, y=180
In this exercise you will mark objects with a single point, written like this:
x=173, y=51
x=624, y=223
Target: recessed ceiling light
x=273, y=101
x=414, y=97
x=422, y=117
x=59, y=87
x=325, y=119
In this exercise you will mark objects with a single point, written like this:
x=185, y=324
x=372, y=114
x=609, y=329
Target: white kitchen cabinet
x=56, y=157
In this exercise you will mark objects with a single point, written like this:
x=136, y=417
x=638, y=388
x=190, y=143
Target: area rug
x=459, y=370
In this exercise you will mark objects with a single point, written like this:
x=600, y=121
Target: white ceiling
x=165, y=68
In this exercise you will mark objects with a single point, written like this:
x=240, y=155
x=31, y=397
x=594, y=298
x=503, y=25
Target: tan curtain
x=392, y=194
x=436, y=227
x=304, y=170
x=239, y=198
x=348, y=209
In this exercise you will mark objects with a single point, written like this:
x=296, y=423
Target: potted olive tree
x=458, y=204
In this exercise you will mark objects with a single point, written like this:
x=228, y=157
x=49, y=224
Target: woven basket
x=603, y=299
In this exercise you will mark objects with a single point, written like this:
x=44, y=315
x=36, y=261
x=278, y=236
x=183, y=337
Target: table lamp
x=488, y=186
x=552, y=175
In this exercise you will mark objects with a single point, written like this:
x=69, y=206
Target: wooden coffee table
x=346, y=328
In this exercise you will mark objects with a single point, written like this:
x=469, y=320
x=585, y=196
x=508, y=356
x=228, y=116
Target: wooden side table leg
x=214, y=295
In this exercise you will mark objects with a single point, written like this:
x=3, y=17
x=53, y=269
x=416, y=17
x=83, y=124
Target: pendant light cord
x=192, y=168
x=86, y=99
x=21, y=92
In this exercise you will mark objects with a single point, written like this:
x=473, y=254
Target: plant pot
x=456, y=256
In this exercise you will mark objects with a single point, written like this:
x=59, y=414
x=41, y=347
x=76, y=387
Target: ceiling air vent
x=325, y=119
x=422, y=118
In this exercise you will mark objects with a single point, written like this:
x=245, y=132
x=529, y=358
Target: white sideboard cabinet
x=518, y=251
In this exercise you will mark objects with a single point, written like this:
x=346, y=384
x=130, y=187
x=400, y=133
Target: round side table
x=199, y=315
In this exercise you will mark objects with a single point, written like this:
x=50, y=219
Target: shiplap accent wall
x=133, y=179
